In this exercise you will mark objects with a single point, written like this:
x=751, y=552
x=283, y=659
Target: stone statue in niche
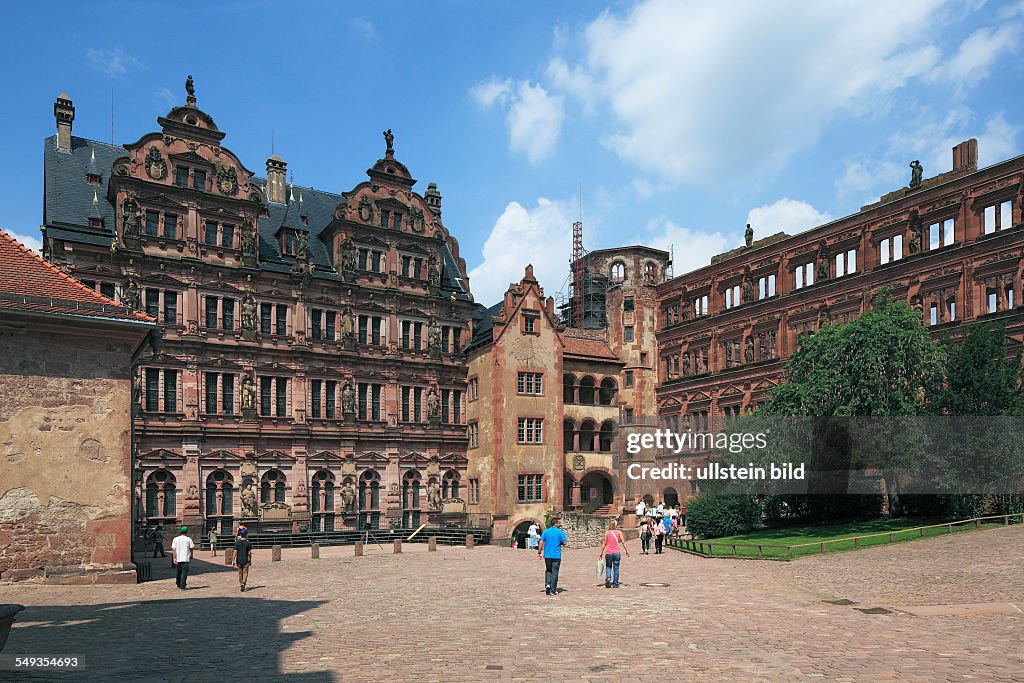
x=348, y=399
x=249, y=313
x=348, y=336
x=156, y=167
x=916, y=232
x=348, y=496
x=433, y=340
x=248, y=502
x=822, y=266
x=248, y=393
x=434, y=495
x=748, y=350
x=433, y=274
x=728, y=354
x=686, y=365
x=433, y=404
x=916, y=171
x=130, y=294
x=748, y=288
x=301, y=245
x=348, y=256
x=130, y=218
x=249, y=243
x=748, y=235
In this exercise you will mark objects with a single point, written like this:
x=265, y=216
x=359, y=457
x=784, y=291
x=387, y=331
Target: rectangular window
x=951, y=309
x=210, y=233
x=375, y=392
x=199, y=179
x=998, y=217
x=211, y=312
x=152, y=223
x=530, y=488
x=530, y=324
x=107, y=289
x=227, y=308
x=330, y=319
x=933, y=315
x=1009, y=296
x=628, y=378
x=417, y=336
x=445, y=402
x=152, y=390
x=266, y=312
x=474, y=491
x=227, y=236
x=941, y=234
x=991, y=300
x=330, y=400
x=456, y=339
x=417, y=403
x=628, y=303
x=266, y=384
x=363, y=407
x=314, y=398
x=170, y=308
x=153, y=302
x=281, y=397
x=474, y=389
x=227, y=394
x=396, y=221
x=732, y=296
x=890, y=249
x=627, y=416
x=315, y=331
x=700, y=306
x=627, y=333
x=473, y=432
x=211, y=393
x=170, y=226
x=384, y=218
x=282, y=320
x=765, y=287
x=531, y=430
x=170, y=391
x=363, y=253
x=804, y=275
x=181, y=176
x=364, y=327
x=457, y=407
x=406, y=327
x=406, y=407
x=846, y=263
x=529, y=383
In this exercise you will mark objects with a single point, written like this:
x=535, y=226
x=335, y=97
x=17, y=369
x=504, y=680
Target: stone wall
x=65, y=469
x=584, y=531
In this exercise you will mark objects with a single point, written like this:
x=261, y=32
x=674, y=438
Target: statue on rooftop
x=915, y=174
x=748, y=235
x=190, y=88
x=389, y=140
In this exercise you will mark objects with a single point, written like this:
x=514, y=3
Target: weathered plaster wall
x=65, y=470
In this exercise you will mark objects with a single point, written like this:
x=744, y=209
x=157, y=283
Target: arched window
x=369, y=500
x=587, y=385
x=587, y=429
x=651, y=272
x=161, y=495
x=568, y=435
x=321, y=501
x=411, y=513
x=450, y=484
x=219, y=494
x=568, y=389
x=618, y=271
x=606, y=395
x=606, y=436
x=272, y=487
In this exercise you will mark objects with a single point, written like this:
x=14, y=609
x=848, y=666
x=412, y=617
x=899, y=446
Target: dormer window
x=95, y=222
x=264, y=213
x=288, y=243
x=92, y=178
x=305, y=220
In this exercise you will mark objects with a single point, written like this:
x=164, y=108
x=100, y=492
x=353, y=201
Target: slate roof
x=483, y=324
x=29, y=283
x=68, y=203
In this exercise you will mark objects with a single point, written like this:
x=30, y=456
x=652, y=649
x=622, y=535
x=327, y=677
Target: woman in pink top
x=615, y=545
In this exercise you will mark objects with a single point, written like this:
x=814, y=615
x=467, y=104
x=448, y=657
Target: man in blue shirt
x=551, y=542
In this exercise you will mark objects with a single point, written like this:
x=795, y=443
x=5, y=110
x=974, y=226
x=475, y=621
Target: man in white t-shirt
x=181, y=554
x=533, y=535
x=641, y=508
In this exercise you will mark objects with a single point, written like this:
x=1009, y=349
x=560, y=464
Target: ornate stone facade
x=950, y=246
x=302, y=330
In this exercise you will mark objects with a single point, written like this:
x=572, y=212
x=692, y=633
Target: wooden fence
x=770, y=551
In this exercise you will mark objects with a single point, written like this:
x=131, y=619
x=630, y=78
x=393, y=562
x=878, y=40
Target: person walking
x=641, y=508
x=213, y=540
x=659, y=535
x=533, y=536
x=243, y=557
x=158, y=541
x=551, y=542
x=182, y=549
x=645, y=535
x=612, y=549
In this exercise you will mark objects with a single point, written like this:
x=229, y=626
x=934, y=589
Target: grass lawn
x=774, y=542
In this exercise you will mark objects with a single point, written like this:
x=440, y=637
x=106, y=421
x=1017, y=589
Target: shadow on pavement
x=176, y=639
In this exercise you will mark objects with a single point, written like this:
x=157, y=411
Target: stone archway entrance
x=519, y=535
x=596, y=491
x=670, y=497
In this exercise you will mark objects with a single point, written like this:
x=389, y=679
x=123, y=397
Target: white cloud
x=541, y=236
x=364, y=28
x=998, y=141
x=33, y=243
x=534, y=116
x=574, y=81
x=165, y=97
x=791, y=216
x=115, y=62
x=978, y=52
x=693, y=249
x=864, y=175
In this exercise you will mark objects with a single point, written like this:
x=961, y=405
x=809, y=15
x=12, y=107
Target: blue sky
x=683, y=120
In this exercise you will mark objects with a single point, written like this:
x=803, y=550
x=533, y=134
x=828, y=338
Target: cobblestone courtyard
x=481, y=614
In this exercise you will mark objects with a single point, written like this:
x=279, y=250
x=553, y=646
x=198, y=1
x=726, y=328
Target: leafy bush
x=712, y=516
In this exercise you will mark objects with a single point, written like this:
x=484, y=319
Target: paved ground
x=481, y=614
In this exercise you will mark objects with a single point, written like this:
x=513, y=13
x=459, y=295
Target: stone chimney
x=276, y=190
x=965, y=155
x=64, y=112
x=433, y=199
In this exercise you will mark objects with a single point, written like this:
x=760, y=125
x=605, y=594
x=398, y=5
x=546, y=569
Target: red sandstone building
x=65, y=425
x=950, y=245
x=310, y=373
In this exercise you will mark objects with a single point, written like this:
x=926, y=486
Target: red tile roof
x=589, y=348
x=29, y=283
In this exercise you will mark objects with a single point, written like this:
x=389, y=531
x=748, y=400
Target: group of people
x=549, y=547
x=183, y=550
x=657, y=524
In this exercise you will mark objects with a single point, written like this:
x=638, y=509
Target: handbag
x=600, y=568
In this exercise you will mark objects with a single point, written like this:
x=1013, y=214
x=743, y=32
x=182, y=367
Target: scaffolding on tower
x=576, y=266
x=583, y=306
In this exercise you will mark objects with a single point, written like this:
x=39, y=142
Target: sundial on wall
x=522, y=350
